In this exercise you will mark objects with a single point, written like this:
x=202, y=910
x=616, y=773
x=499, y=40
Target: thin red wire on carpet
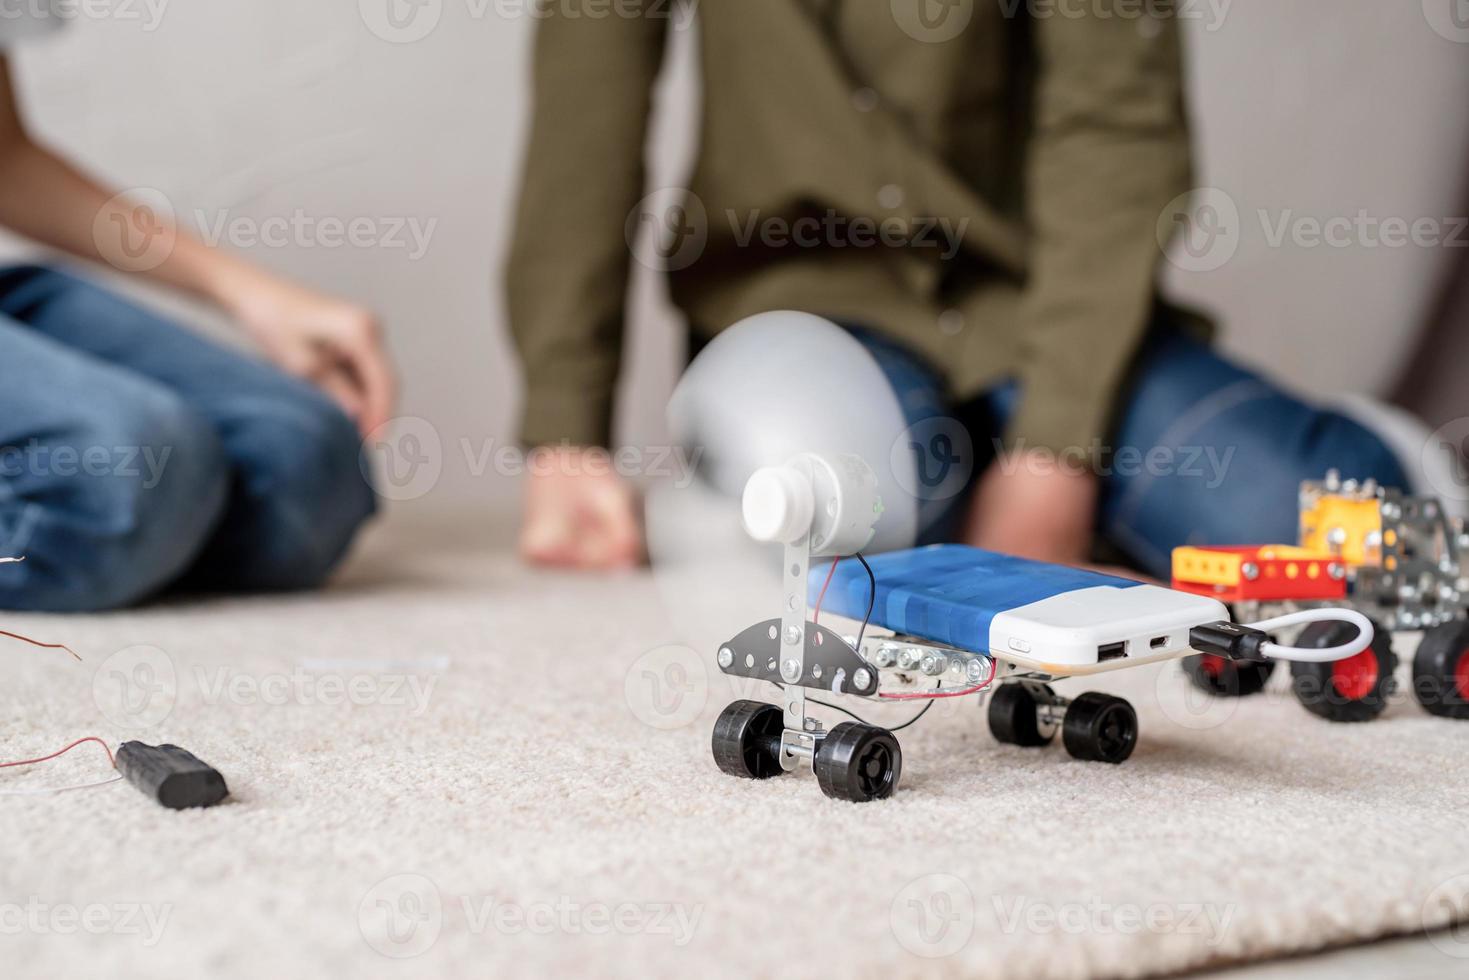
x=81, y=741
x=56, y=755
x=38, y=643
x=27, y=639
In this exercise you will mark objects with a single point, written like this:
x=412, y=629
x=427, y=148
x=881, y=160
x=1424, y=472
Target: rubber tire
x=1231, y=678
x=1439, y=669
x=1013, y=717
x=1319, y=694
x=746, y=740
x=858, y=763
x=1099, y=728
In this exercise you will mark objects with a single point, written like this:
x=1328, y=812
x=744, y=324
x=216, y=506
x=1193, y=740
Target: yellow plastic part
x=1207, y=566
x=1204, y=567
x=1341, y=526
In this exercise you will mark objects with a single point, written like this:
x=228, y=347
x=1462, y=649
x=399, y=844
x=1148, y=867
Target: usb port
x=1111, y=651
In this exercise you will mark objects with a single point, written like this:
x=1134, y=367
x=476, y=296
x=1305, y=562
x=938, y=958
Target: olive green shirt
x=1044, y=139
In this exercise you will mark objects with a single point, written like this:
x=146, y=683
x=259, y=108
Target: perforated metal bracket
x=829, y=664
x=791, y=642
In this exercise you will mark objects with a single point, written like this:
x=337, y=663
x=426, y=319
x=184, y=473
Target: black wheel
x=1015, y=717
x=1099, y=728
x=858, y=762
x=1441, y=671
x=1226, y=678
x=1350, y=690
x=747, y=740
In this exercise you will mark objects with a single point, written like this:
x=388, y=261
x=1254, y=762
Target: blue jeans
x=1202, y=451
x=137, y=457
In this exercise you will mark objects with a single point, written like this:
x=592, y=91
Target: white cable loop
x=1316, y=655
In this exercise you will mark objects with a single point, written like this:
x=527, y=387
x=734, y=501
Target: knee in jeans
x=165, y=454
x=1355, y=451
x=24, y=285
x=120, y=500
x=307, y=487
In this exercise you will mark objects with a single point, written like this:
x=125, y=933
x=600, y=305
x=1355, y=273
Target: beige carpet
x=449, y=766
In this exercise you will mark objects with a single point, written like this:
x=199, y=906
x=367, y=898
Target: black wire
x=837, y=707
x=915, y=718
x=871, y=601
x=854, y=715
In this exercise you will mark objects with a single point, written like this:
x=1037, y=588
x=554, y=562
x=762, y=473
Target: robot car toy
x=947, y=622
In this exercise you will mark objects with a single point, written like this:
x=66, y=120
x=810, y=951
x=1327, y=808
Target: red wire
x=54, y=755
x=81, y=741
x=816, y=615
x=38, y=643
x=935, y=695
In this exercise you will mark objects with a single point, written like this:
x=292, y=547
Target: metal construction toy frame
x=1396, y=558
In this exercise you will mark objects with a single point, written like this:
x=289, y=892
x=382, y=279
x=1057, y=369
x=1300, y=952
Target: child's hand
x=579, y=513
x=1031, y=506
x=334, y=344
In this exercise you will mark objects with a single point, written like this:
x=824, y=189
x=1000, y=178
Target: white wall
x=1324, y=108
x=249, y=109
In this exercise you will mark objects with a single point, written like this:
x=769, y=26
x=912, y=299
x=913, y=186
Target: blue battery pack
x=948, y=594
